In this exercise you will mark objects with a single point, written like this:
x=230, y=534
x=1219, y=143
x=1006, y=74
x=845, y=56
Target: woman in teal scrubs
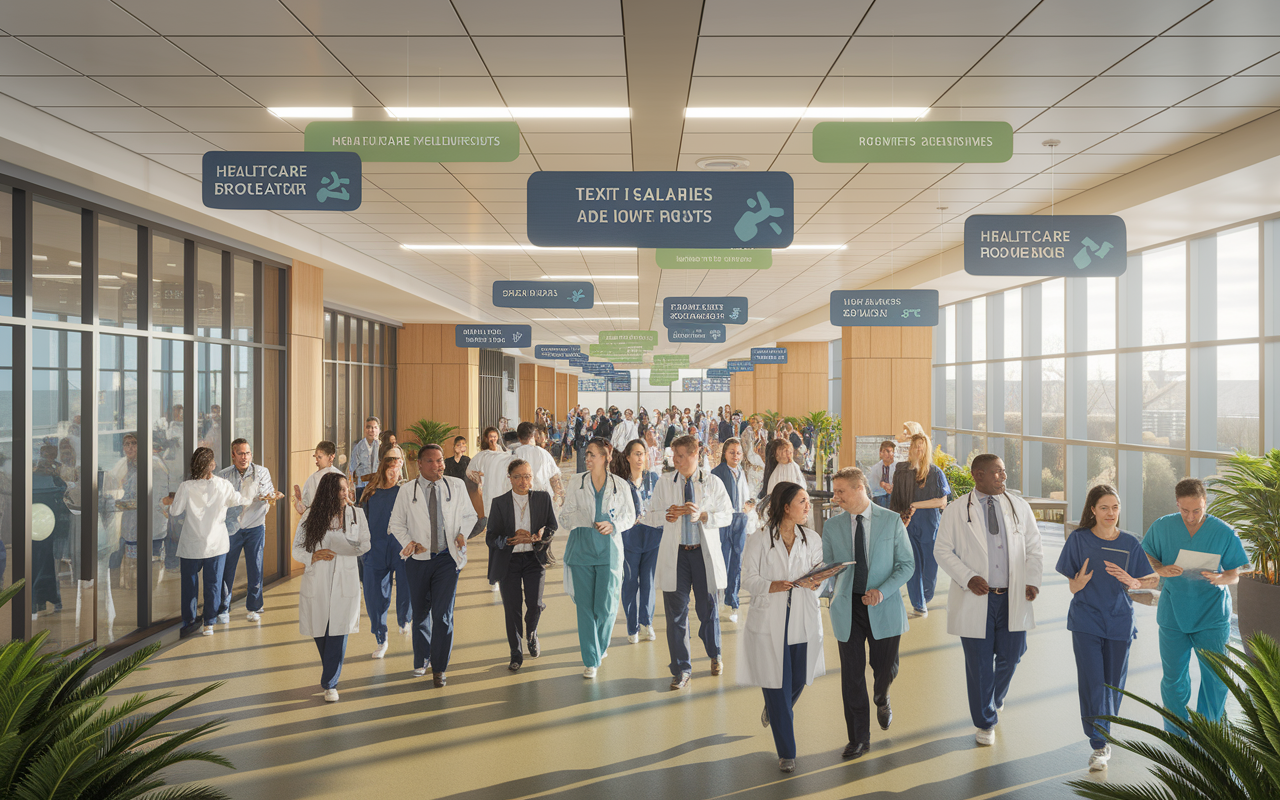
x=597, y=509
x=1101, y=564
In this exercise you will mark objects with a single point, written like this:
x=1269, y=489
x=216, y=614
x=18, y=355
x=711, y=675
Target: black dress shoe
x=856, y=750
x=514, y=665
x=885, y=716
x=535, y=649
x=439, y=679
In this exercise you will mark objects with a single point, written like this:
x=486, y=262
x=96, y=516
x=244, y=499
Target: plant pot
x=1259, y=608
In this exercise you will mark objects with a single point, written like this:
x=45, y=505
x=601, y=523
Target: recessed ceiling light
x=39, y=258
x=800, y=112
x=722, y=163
x=73, y=263
x=53, y=276
x=591, y=277
x=312, y=112
x=504, y=112
x=129, y=274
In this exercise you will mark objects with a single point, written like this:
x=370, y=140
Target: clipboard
x=824, y=567
x=1116, y=556
x=1193, y=562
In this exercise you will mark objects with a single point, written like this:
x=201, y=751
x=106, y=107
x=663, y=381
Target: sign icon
x=332, y=187
x=577, y=296
x=910, y=312
x=517, y=336
x=748, y=224
x=715, y=334
x=1083, y=259
x=734, y=314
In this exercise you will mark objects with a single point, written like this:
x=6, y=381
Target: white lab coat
x=709, y=495
x=313, y=483
x=410, y=523
x=493, y=463
x=623, y=433
x=761, y=648
x=961, y=551
x=205, y=503
x=579, y=511
x=329, y=598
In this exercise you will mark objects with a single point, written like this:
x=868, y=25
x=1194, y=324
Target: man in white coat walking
x=691, y=505
x=989, y=544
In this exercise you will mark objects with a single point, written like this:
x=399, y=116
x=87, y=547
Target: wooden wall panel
x=528, y=389
x=886, y=342
x=306, y=300
x=766, y=394
x=432, y=338
x=872, y=381
x=306, y=401
x=911, y=391
x=855, y=343
x=414, y=393
x=819, y=387
x=847, y=417
x=917, y=343
x=545, y=391
x=301, y=465
x=571, y=399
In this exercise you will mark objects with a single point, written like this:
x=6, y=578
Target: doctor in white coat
x=330, y=537
x=691, y=505
x=989, y=544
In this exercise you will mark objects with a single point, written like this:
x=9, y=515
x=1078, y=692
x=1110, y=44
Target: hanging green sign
x=411, y=140
x=616, y=352
x=672, y=359
x=912, y=142
x=669, y=258
x=646, y=339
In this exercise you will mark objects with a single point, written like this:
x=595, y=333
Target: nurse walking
x=597, y=508
x=1101, y=564
x=639, y=543
x=929, y=491
x=383, y=564
x=330, y=539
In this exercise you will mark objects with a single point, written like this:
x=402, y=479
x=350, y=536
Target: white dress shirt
x=313, y=483
x=541, y=463
x=204, y=528
x=625, y=431
x=521, y=505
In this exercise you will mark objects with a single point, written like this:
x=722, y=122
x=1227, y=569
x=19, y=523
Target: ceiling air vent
x=723, y=163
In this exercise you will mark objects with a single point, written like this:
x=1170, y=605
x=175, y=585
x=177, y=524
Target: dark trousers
x=192, y=568
x=880, y=500
x=522, y=591
x=377, y=595
x=332, y=650
x=853, y=672
x=989, y=662
x=44, y=574
x=781, y=702
x=691, y=578
x=433, y=586
x=251, y=541
x=1100, y=664
x=638, y=595
x=732, y=541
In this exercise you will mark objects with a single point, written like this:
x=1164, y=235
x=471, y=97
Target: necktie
x=993, y=520
x=860, y=556
x=885, y=474
x=733, y=496
x=688, y=518
x=433, y=508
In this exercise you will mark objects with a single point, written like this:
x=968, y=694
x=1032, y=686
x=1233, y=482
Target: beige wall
x=886, y=381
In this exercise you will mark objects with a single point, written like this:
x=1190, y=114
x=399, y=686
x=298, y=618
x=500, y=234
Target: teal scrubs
x=1193, y=614
x=596, y=564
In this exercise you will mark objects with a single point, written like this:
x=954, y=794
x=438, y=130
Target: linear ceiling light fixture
x=504, y=112
x=583, y=319
x=526, y=247
x=812, y=247
x=312, y=112
x=802, y=112
x=591, y=277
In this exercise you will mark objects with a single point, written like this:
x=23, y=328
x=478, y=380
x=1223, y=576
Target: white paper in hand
x=1193, y=562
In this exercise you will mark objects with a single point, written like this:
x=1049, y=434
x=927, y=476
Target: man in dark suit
x=724, y=428
x=521, y=524
x=604, y=426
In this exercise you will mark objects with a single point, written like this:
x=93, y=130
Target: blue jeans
x=191, y=572
x=880, y=500
x=989, y=662
x=921, y=584
x=377, y=595
x=252, y=541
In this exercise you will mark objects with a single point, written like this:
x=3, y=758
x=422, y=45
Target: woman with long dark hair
x=925, y=497
x=330, y=537
x=383, y=564
x=203, y=544
x=1101, y=564
x=639, y=542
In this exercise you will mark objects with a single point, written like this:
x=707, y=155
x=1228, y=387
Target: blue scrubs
x=383, y=563
x=640, y=560
x=1101, y=623
x=922, y=532
x=597, y=580
x=1193, y=614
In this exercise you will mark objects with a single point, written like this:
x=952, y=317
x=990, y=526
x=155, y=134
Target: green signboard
x=646, y=339
x=662, y=378
x=912, y=142
x=714, y=259
x=616, y=351
x=671, y=359
x=410, y=140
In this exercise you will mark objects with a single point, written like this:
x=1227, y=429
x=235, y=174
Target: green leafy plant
x=771, y=419
x=427, y=431
x=1210, y=760
x=59, y=739
x=958, y=475
x=1247, y=497
x=827, y=430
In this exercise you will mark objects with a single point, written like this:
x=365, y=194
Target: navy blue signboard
x=696, y=332
x=620, y=384
x=768, y=355
x=592, y=384
x=578, y=359
x=684, y=310
x=661, y=209
x=553, y=351
x=718, y=373
x=598, y=368
x=884, y=307
x=1083, y=246
x=281, y=180
x=710, y=384
x=544, y=294
x=741, y=365
x=492, y=335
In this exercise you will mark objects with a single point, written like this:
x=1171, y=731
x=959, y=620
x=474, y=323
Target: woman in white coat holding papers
x=329, y=539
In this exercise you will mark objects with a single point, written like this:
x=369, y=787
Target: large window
x=692, y=388
x=359, y=378
x=1137, y=381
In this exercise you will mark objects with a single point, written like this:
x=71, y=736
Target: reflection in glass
x=6, y=274
x=1237, y=283
x=242, y=393
x=119, y=488
x=168, y=286
x=55, y=262
x=209, y=400
x=208, y=292
x=242, y=299
x=169, y=444
x=6, y=470
x=1164, y=295
x=117, y=273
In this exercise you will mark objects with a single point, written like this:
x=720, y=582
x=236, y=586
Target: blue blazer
x=890, y=565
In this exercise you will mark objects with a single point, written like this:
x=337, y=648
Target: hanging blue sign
x=684, y=310
x=555, y=351
x=661, y=209
x=718, y=373
x=1083, y=246
x=544, y=294
x=898, y=308
x=768, y=355
x=598, y=368
x=492, y=335
x=686, y=332
x=620, y=384
x=741, y=365
x=578, y=359
x=281, y=180
x=592, y=385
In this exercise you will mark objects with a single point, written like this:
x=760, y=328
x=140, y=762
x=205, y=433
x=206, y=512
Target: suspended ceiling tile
x=338, y=227
x=458, y=195
x=431, y=91
x=1243, y=90
x=171, y=91
x=18, y=58
x=911, y=92
x=384, y=208
x=541, y=143
x=525, y=164
x=1056, y=121
x=1154, y=143
x=392, y=229
x=1030, y=141
x=852, y=195
x=118, y=55
x=262, y=55
x=1020, y=162
x=477, y=228
x=944, y=18
x=223, y=18
x=1105, y=162
x=368, y=194
x=1011, y=91
x=368, y=237
x=547, y=18
x=1066, y=180
x=553, y=55
x=499, y=195
x=980, y=181
x=902, y=169
x=1017, y=117
x=805, y=163
x=383, y=167
x=768, y=18
x=68, y=18
x=400, y=56
x=1269, y=67
x=160, y=142
x=766, y=55
x=1198, y=55
x=1230, y=18
x=1139, y=91
x=117, y=118
x=229, y=120
x=726, y=125
x=871, y=180
x=570, y=91
x=767, y=91
x=60, y=91
x=1057, y=55
x=415, y=180
x=431, y=210
x=384, y=18
x=575, y=125
x=758, y=162
x=903, y=56
x=493, y=180
x=182, y=162
x=257, y=141
x=303, y=91
x=1104, y=17
x=732, y=143
x=1026, y=195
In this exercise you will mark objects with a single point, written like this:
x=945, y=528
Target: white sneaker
x=330, y=695
x=497, y=587
x=650, y=633
x=254, y=616
x=208, y=630
x=419, y=672
x=224, y=618
x=986, y=737
x=604, y=655
x=734, y=616
x=589, y=673
x=1098, y=761
x=406, y=628
x=380, y=650
x=918, y=612
x=634, y=638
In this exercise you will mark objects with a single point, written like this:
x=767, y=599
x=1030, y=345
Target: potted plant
x=1246, y=496
x=427, y=431
x=958, y=476
x=827, y=430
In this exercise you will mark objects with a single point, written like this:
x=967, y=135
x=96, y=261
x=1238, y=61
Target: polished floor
x=547, y=732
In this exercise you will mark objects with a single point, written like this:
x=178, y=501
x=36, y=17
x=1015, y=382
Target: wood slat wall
x=305, y=329
x=436, y=380
x=545, y=390
x=562, y=396
x=887, y=377
x=528, y=390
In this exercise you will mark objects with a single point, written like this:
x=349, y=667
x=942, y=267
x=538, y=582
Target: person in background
x=781, y=649
x=639, y=542
x=655, y=453
x=1194, y=612
x=604, y=426
x=581, y=435
x=120, y=497
x=364, y=454
x=386, y=438
x=724, y=426
x=929, y=490
x=881, y=475
x=867, y=615
x=330, y=537
x=250, y=526
x=324, y=455
x=903, y=446
x=624, y=431
x=50, y=490
x=597, y=508
x=203, y=501
x=519, y=536
x=382, y=561
x=753, y=442
x=456, y=466
x=733, y=537
x=546, y=472
x=1102, y=564
x=989, y=545
x=491, y=461
x=780, y=467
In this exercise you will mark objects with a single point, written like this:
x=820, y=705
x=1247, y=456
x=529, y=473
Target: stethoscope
x=447, y=488
x=1012, y=508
